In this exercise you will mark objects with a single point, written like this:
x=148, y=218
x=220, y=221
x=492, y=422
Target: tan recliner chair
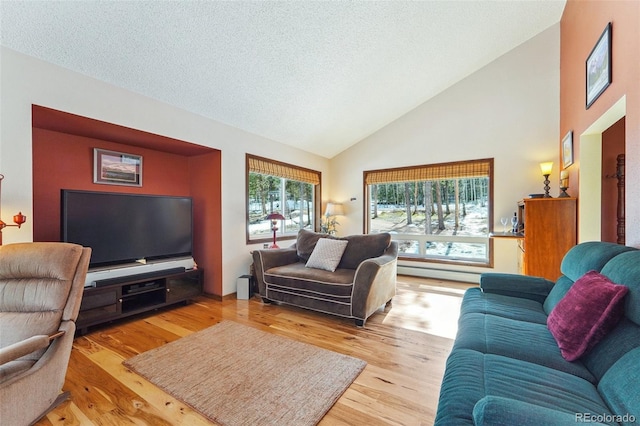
x=41, y=288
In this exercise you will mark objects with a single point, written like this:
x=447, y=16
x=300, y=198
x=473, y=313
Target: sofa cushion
x=306, y=242
x=326, y=254
x=297, y=276
x=363, y=247
x=556, y=294
x=476, y=301
x=622, y=339
x=494, y=410
x=591, y=308
x=515, y=285
x=623, y=269
x=589, y=256
x=582, y=258
x=620, y=387
x=515, y=339
x=471, y=376
x=359, y=247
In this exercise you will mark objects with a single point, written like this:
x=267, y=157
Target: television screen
x=124, y=228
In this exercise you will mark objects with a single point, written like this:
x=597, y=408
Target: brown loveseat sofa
x=365, y=278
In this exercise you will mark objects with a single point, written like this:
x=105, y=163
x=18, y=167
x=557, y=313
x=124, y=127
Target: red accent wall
x=64, y=160
x=582, y=24
x=612, y=145
x=206, y=183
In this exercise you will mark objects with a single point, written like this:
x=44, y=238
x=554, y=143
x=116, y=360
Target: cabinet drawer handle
x=168, y=290
x=119, y=300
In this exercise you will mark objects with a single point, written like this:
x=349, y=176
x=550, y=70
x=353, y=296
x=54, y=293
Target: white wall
x=509, y=111
x=25, y=81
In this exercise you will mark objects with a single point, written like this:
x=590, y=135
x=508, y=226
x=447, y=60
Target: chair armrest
x=263, y=260
x=26, y=346
x=374, y=283
x=493, y=410
x=275, y=257
x=523, y=286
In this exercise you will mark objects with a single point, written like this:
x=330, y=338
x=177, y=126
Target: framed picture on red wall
x=598, y=67
x=116, y=168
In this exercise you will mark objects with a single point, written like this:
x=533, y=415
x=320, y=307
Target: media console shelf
x=121, y=297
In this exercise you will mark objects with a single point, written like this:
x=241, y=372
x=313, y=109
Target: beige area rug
x=237, y=375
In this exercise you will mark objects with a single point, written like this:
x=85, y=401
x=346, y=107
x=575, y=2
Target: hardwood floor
x=405, y=347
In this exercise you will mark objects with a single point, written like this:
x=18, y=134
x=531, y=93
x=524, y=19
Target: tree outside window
x=437, y=212
x=283, y=188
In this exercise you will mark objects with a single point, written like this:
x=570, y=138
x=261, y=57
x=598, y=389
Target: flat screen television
x=125, y=228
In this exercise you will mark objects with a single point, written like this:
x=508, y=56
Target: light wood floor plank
x=69, y=415
x=405, y=346
x=177, y=412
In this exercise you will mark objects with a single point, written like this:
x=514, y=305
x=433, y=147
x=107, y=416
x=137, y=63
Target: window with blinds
x=436, y=212
x=276, y=187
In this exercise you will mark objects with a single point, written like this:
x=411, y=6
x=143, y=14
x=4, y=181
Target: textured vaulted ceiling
x=320, y=76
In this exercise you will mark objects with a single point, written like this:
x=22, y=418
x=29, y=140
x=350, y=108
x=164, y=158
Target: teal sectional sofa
x=506, y=366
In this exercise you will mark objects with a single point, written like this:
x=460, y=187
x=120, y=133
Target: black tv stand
x=115, y=298
x=137, y=277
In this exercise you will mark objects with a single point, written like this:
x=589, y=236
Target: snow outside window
x=275, y=187
x=436, y=212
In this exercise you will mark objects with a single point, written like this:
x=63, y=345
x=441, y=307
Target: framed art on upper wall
x=567, y=150
x=116, y=168
x=598, y=67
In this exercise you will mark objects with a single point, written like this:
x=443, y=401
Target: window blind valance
x=441, y=171
x=283, y=170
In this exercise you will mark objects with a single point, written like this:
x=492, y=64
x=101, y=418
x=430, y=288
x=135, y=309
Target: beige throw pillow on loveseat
x=327, y=254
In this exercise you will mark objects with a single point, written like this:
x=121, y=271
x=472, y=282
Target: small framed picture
x=116, y=168
x=567, y=150
x=598, y=67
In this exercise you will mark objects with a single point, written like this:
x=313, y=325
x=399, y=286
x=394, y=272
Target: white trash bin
x=243, y=287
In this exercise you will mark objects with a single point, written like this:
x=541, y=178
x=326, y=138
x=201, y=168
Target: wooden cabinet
x=550, y=230
x=117, y=298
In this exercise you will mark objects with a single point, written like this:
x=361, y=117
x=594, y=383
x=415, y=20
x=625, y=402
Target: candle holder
x=564, y=184
x=563, y=192
x=18, y=219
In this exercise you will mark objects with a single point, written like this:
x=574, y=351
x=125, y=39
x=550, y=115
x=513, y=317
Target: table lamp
x=274, y=217
x=546, y=171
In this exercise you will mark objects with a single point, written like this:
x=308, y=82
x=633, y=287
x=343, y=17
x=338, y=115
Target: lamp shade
x=334, y=209
x=275, y=216
x=546, y=168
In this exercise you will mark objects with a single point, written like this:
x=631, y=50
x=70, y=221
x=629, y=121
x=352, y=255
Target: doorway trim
x=590, y=187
